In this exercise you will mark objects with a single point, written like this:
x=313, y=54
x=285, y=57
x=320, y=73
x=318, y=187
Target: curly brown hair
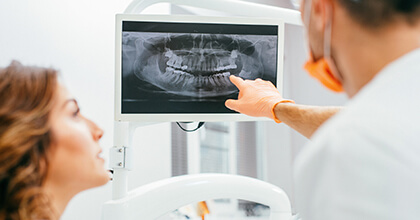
x=26, y=100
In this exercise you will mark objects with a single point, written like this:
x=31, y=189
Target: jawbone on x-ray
x=199, y=65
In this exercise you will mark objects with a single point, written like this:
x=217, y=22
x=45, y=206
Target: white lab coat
x=364, y=163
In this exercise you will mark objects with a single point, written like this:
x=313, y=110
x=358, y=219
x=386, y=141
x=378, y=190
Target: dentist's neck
x=362, y=53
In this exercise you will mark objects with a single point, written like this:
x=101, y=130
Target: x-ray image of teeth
x=193, y=67
x=199, y=65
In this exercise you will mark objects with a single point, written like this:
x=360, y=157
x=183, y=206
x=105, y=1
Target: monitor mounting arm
x=234, y=7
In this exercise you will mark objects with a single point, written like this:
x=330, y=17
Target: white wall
x=77, y=37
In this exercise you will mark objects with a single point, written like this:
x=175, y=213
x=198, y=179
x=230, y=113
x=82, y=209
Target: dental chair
x=153, y=200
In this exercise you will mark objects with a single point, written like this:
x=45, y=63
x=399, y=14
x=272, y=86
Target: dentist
x=364, y=160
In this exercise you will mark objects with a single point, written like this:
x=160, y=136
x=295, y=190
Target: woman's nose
x=96, y=131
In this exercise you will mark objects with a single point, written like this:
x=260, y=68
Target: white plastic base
x=156, y=199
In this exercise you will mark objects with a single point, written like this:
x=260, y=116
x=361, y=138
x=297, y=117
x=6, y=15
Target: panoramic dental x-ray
x=189, y=69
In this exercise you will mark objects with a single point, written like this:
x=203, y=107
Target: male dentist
x=364, y=159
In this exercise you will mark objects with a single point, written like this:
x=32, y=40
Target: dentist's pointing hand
x=256, y=98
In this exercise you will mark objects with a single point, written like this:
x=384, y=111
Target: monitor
x=177, y=68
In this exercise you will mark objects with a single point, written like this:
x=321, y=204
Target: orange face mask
x=320, y=69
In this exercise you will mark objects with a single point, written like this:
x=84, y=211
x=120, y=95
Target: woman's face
x=74, y=156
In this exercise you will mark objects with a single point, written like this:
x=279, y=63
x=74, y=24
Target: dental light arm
x=158, y=198
x=235, y=7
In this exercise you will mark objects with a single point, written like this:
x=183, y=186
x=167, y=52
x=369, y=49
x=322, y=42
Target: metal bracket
x=117, y=157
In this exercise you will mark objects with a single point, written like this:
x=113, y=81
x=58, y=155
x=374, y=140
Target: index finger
x=237, y=81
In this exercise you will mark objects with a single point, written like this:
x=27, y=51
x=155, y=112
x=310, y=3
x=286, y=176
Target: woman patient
x=49, y=152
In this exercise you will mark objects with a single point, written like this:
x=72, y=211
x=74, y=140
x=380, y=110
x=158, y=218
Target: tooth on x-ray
x=199, y=65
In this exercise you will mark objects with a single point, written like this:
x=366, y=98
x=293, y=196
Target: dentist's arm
x=304, y=119
x=260, y=98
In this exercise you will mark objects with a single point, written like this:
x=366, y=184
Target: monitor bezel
x=187, y=117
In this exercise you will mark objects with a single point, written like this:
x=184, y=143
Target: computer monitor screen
x=172, y=68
